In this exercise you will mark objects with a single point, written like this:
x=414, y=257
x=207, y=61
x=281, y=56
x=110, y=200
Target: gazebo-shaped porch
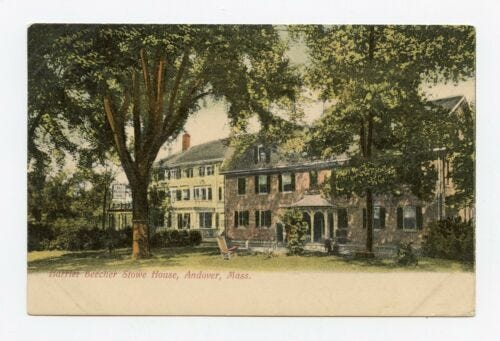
x=319, y=214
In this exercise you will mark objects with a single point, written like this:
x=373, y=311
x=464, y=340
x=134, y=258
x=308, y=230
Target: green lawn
x=208, y=258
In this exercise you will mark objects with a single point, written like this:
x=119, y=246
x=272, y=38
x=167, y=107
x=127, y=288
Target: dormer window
x=262, y=154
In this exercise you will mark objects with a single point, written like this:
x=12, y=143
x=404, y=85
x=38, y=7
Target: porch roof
x=312, y=200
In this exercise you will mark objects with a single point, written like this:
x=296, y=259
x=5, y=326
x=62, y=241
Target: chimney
x=186, y=140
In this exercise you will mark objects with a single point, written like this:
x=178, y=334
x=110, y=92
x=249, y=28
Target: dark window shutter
x=293, y=181
x=420, y=220
x=245, y=217
x=280, y=183
x=256, y=155
x=256, y=184
x=364, y=218
x=268, y=184
x=382, y=217
x=400, y=217
x=268, y=218
x=268, y=155
x=210, y=193
x=257, y=216
x=179, y=221
x=235, y=218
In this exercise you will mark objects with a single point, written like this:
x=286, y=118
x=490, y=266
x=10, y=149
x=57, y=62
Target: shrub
x=77, y=235
x=39, y=236
x=451, y=238
x=195, y=237
x=296, y=231
x=176, y=238
x=406, y=254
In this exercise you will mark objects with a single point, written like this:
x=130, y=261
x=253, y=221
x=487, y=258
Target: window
x=188, y=172
x=263, y=218
x=210, y=170
x=262, y=184
x=178, y=194
x=185, y=194
x=183, y=221
x=378, y=217
x=202, y=193
x=410, y=217
x=313, y=179
x=220, y=193
x=287, y=182
x=205, y=220
x=175, y=173
x=242, y=186
x=241, y=218
x=262, y=154
x=342, y=220
x=201, y=171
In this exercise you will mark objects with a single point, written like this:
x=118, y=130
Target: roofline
x=278, y=169
x=192, y=163
x=458, y=104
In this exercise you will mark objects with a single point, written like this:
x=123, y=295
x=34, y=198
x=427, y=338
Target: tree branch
x=177, y=82
x=136, y=118
x=120, y=141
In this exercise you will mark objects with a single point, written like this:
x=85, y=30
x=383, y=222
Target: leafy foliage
x=379, y=117
x=296, y=231
x=406, y=255
x=451, y=238
x=136, y=85
x=168, y=238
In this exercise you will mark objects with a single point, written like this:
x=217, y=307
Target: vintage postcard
x=251, y=170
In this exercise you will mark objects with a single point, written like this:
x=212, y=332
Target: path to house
x=208, y=258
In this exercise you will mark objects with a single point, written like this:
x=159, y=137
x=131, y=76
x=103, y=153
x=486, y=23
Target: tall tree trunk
x=140, y=221
x=368, y=155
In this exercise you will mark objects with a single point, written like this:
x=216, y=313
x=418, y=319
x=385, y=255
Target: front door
x=319, y=227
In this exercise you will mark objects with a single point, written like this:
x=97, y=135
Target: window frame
x=263, y=219
x=204, y=219
x=414, y=209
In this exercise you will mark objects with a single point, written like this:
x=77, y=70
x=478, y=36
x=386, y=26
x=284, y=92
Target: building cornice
x=297, y=168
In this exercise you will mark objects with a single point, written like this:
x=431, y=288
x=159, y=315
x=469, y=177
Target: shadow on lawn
x=117, y=259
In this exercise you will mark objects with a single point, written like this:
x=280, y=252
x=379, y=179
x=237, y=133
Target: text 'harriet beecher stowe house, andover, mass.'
x=211, y=188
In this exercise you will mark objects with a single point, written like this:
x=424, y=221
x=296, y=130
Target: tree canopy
x=135, y=86
x=380, y=118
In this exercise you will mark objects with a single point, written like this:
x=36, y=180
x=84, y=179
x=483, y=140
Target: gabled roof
x=449, y=103
x=212, y=151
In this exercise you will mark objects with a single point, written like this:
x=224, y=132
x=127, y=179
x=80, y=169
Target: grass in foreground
x=208, y=258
